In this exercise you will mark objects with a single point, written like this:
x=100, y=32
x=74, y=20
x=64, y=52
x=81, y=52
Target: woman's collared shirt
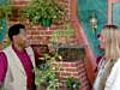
x=113, y=81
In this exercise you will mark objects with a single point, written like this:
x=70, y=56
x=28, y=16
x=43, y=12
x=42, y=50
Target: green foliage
x=5, y=10
x=68, y=32
x=1, y=26
x=47, y=77
x=45, y=73
x=72, y=84
x=37, y=10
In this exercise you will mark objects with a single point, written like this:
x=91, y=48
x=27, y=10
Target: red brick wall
x=90, y=61
x=38, y=35
x=74, y=69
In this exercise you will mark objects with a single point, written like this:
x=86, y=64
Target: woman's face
x=102, y=41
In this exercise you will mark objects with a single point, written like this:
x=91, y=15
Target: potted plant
x=46, y=78
x=72, y=84
x=44, y=12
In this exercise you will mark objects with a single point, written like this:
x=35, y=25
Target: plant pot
x=43, y=86
x=45, y=22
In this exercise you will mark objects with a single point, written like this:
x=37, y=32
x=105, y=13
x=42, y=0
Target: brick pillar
x=74, y=69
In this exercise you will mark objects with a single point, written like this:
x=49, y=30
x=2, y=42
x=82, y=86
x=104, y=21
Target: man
x=17, y=62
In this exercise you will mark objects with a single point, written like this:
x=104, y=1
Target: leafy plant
x=42, y=11
x=72, y=84
x=5, y=12
x=45, y=72
x=65, y=33
x=5, y=9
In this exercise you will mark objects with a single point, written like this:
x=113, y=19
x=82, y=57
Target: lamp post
x=93, y=23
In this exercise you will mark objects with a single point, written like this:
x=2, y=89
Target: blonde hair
x=112, y=42
x=112, y=51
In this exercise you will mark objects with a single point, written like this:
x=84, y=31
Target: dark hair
x=15, y=30
x=111, y=26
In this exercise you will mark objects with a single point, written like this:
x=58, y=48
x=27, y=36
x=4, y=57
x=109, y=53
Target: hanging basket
x=45, y=22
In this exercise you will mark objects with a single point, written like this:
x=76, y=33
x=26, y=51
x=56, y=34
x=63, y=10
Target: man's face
x=21, y=39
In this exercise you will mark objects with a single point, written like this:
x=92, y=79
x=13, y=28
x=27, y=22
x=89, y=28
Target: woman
x=109, y=41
